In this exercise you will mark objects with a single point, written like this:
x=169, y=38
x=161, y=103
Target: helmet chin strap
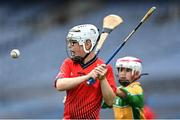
x=124, y=83
x=79, y=59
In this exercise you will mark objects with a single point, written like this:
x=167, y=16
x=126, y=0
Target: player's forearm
x=69, y=83
x=120, y=93
x=107, y=92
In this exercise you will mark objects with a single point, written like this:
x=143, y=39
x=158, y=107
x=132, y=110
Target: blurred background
x=38, y=28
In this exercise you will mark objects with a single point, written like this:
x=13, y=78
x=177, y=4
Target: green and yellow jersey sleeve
x=135, y=96
x=130, y=107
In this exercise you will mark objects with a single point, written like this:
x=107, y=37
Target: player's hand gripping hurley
x=110, y=22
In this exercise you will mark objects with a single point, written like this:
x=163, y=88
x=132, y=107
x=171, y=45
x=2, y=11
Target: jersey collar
x=89, y=62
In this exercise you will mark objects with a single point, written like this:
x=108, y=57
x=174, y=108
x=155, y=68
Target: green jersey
x=130, y=107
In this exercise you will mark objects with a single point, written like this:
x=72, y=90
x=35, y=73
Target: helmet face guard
x=82, y=33
x=129, y=62
x=70, y=54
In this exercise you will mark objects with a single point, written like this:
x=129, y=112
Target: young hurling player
x=129, y=100
x=83, y=101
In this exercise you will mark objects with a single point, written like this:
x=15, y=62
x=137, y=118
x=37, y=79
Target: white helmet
x=129, y=62
x=84, y=32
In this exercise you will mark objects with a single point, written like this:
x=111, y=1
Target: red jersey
x=83, y=101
